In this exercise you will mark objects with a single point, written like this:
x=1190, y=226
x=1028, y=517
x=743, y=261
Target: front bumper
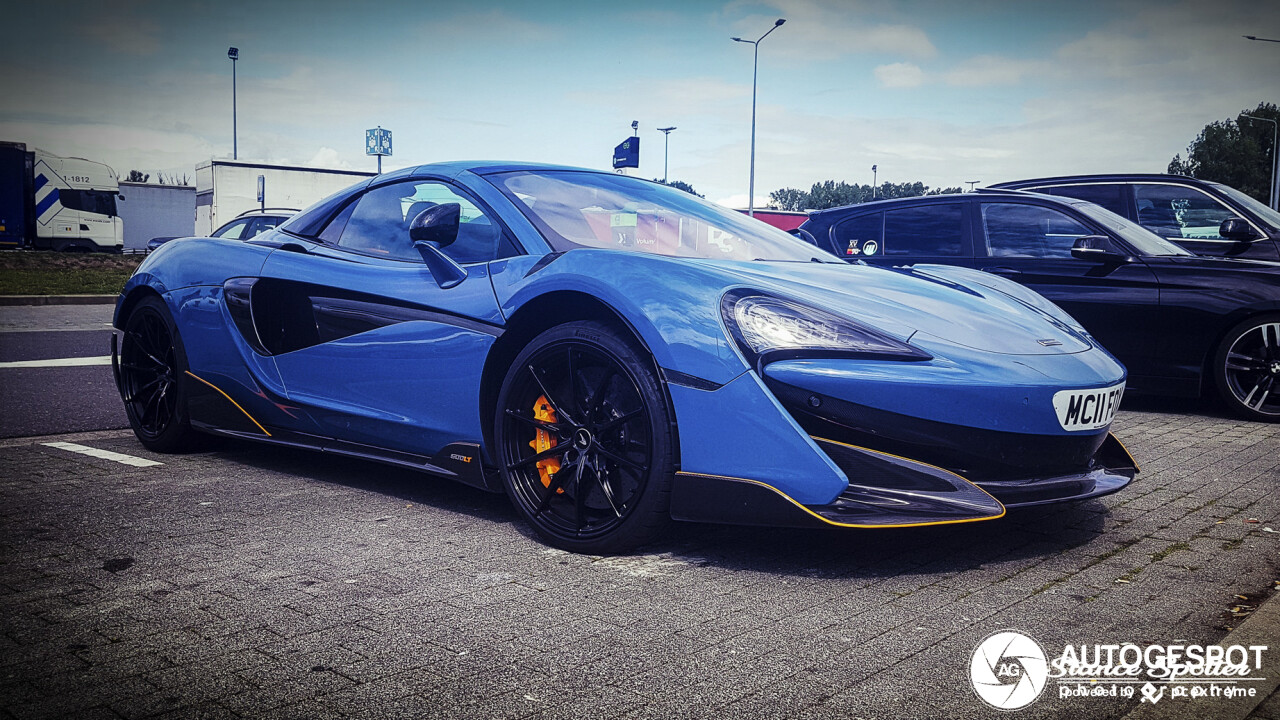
x=890, y=491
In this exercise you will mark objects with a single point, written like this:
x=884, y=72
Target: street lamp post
x=873, y=181
x=666, y=149
x=755, y=67
x=1275, y=158
x=234, y=54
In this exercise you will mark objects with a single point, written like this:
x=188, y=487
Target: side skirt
x=457, y=461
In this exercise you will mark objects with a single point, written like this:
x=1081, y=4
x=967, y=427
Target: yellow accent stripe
x=850, y=525
x=233, y=402
x=1126, y=452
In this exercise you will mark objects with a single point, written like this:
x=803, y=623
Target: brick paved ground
x=254, y=581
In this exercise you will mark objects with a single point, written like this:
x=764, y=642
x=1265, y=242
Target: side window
x=928, y=231
x=1179, y=212
x=263, y=224
x=1013, y=230
x=379, y=224
x=860, y=235
x=1109, y=196
x=235, y=230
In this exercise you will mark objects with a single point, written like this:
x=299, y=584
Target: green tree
x=1234, y=152
x=679, y=185
x=829, y=194
x=138, y=177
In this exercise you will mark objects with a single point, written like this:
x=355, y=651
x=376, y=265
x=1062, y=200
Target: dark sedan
x=1180, y=322
x=1207, y=218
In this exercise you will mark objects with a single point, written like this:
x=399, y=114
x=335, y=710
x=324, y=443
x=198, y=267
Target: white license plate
x=1087, y=409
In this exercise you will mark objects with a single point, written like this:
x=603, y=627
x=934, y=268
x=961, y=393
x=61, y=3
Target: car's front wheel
x=152, y=379
x=1247, y=368
x=584, y=441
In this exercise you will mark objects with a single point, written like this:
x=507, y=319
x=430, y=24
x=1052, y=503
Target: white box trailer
x=150, y=210
x=227, y=188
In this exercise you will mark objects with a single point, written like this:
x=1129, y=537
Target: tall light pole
x=873, y=182
x=1251, y=37
x=755, y=67
x=1275, y=156
x=971, y=183
x=666, y=149
x=234, y=54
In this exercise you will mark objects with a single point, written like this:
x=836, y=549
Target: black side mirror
x=438, y=225
x=1098, y=248
x=431, y=230
x=1234, y=228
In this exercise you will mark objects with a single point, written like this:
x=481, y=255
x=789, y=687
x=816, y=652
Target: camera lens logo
x=1008, y=670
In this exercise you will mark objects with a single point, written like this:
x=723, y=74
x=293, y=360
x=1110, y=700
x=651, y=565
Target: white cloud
x=822, y=31
x=985, y=70
x=900, y=75
x=327, y=157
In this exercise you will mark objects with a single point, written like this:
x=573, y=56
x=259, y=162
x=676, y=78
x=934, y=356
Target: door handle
x=1001, y=270
x=294, y=247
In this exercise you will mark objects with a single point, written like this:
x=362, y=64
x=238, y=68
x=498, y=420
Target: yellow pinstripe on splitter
x=233, y=402
x=1126, y=452
x=829, y=521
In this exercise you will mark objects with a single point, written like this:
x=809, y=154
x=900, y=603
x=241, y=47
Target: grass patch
x=43, y=272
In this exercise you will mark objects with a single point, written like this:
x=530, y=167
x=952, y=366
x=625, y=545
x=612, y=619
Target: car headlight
x=770, y=328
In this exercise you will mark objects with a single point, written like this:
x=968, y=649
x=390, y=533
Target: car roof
x=1104, y=178
x=971, y=196
x=480, y=167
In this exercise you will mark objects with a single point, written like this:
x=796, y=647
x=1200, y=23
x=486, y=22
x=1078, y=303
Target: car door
x=1117, y=302
x=363, y=334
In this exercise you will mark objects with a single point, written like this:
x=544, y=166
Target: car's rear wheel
x=584, y=441
x=152, y=379
x=1247, y=368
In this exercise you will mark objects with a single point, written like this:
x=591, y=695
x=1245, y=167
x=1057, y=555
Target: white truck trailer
x=227, y=188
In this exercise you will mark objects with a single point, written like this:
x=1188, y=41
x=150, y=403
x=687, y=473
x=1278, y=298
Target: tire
x=589, y=398
x=1246, y=368
x=153, y=382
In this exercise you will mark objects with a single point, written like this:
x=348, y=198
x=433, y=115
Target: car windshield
x=1142, y=239
x=587, y=209
x=1266, y=214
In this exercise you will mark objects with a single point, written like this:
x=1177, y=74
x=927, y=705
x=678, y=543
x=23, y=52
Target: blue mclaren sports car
x=614, y=354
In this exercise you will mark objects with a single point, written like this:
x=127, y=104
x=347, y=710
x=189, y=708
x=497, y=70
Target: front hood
x=921, y=304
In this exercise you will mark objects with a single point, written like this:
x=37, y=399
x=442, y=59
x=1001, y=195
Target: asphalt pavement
x=254, y=581
x=43, y=387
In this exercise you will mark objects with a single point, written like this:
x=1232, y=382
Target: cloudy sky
x=941, y=92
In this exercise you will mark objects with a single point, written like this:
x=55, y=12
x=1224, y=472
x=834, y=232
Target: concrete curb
x=1260, y=628
x=57, y=299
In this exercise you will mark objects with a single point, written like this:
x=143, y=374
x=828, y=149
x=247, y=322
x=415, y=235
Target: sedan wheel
x=584, y=440
x=1248, y=368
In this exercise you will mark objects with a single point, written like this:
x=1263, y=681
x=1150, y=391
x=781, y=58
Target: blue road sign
x=377, y=142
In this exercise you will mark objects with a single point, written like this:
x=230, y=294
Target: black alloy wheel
x=152, y=382
x=584, y=440
x=1247, y=368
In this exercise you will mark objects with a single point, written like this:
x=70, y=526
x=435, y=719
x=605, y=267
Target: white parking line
x=59, y=362
x=103, y=454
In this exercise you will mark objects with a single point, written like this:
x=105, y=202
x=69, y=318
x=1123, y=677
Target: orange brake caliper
x=543, y=441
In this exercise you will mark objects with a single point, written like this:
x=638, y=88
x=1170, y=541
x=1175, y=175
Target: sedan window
x=232, y=231
x=1108, y=195
x=1180, y=212
x=1014, y=230
x=925, y=231
x=864, y=233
